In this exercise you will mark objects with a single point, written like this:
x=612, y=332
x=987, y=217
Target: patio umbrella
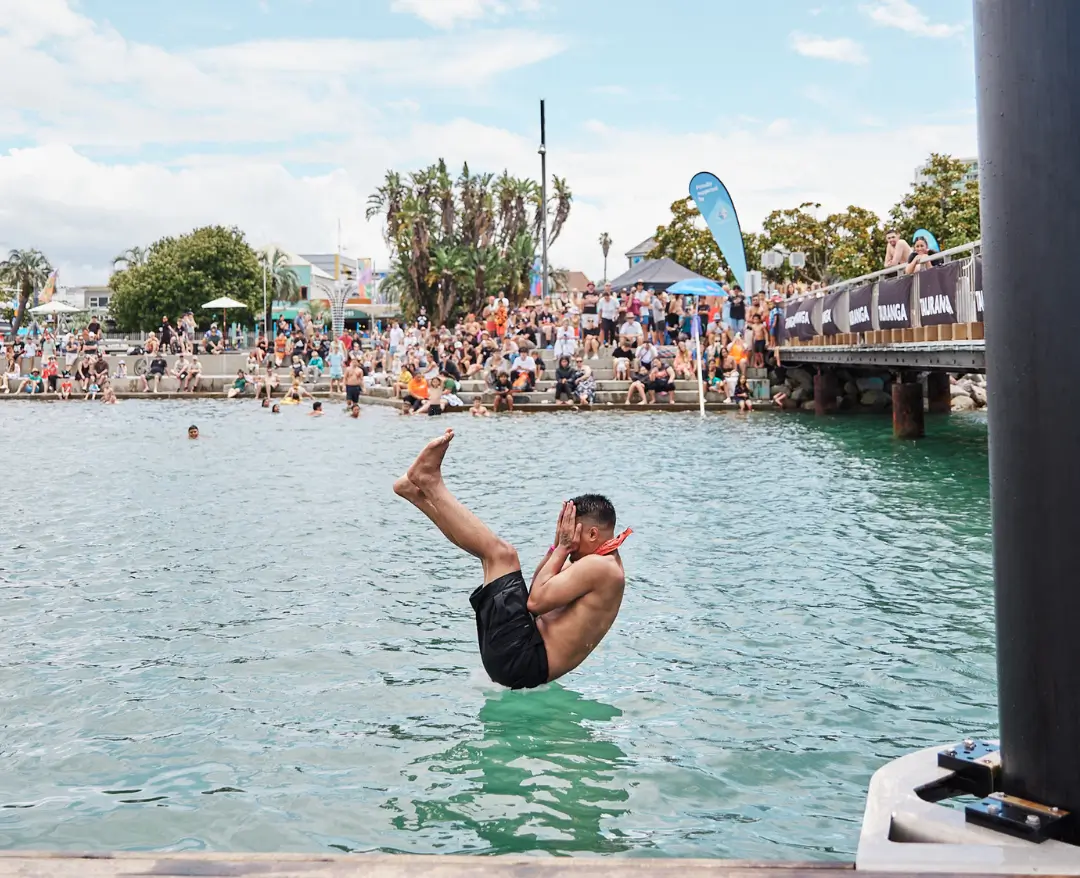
x=696, y=286
x=223, y=304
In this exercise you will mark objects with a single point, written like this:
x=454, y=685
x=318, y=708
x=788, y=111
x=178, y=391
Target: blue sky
x=129, y=120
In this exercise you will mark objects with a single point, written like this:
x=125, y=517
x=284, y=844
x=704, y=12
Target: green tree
x=857, y=242
x=27, y=271
x=688, y=241
x=840, y=245
x=182, y=273
x=943, y=204
x=282, y=281
x=454, y=242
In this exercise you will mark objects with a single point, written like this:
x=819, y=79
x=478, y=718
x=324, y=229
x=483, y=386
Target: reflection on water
x=541, y=773
x=246, y=643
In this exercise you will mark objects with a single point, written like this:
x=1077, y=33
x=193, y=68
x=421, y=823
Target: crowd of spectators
x=648, y=334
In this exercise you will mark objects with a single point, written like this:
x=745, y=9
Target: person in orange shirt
x=49, y=374
x=416, y=394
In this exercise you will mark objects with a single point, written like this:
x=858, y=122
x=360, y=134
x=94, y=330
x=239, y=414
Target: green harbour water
x=247, y=643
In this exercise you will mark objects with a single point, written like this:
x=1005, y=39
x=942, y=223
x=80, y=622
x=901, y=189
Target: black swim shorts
x=511, y=647
x=352, y=393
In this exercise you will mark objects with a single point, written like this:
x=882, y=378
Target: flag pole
x=696, y=329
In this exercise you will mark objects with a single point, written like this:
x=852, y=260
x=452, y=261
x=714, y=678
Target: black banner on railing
x=977, y=288
x=797, y=322
x=937, y=294
x=894, y=302
x=859, y=317
x=829, y=324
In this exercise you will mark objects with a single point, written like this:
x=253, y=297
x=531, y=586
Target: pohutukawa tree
x=455, y=242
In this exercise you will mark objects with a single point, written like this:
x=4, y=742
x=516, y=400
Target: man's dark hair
x=596, y=508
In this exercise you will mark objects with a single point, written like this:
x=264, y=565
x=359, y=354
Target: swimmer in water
x=316, y=410
x=265, y=403
x=276, y=410
x=529, y=637
x=193, y=432
x=479, y=410
x=354, y=411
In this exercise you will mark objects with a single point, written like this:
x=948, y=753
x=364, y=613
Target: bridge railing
x=892, y=306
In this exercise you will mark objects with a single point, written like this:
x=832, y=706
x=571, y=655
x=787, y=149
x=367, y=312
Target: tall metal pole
x=1028, y=85
x=266, y=317
x=543, y=198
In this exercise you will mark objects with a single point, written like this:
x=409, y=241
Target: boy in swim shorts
x=530, y=636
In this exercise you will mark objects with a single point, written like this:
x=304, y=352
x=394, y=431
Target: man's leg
x=423, y=486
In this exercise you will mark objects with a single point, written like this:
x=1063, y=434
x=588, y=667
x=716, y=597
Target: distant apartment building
x=92, y=299
x=971, y=176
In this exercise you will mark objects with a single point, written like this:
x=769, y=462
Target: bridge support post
x=938, y=393
x=907, y=410
x=826, y=390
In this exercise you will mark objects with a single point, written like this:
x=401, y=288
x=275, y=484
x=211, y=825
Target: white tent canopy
x=55, y=308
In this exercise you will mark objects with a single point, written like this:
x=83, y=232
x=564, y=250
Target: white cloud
x=82, y=94
x=906, y=16
x=840, y=49
x=81, y=212
x=71, y=80
x=444, y=14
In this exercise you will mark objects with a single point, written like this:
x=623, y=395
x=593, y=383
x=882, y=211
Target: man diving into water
x=529, y=637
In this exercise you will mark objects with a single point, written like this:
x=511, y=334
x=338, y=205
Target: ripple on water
x=247, y=643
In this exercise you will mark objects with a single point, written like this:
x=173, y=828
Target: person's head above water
x=265, y=403
x=276, y=409
x=596, y=516
x=193, y=432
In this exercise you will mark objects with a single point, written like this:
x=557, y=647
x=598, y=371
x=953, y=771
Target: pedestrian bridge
x=931, y=320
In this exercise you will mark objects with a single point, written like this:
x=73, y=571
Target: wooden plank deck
x=32, y=864
x=16, y=864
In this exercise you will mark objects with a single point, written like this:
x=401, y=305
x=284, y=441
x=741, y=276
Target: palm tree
x=27, y=271
x=282, y=281
x=433, y=223
x=448, y=268
x=131, y=258
x=605, y=245
x=563, y=198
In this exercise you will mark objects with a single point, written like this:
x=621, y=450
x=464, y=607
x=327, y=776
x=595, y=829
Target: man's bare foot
x=427, y=468
x=407, y=490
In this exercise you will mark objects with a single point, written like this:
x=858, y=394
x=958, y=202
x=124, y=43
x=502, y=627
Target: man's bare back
x=530, y=636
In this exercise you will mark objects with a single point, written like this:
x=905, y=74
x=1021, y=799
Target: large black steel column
x=1028, y=85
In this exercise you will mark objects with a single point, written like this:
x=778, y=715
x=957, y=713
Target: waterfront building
x=641, y=252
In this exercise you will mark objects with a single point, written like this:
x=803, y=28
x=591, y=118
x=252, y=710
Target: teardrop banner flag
x=715, y=205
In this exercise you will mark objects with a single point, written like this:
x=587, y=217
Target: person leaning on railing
x=920, y=260
x=897, y=250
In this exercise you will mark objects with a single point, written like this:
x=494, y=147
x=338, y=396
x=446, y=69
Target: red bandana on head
x=612, y=545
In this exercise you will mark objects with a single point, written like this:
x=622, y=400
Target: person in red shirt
x=49, y=374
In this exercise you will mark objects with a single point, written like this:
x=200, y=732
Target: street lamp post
x=266, y=316
x=543, y=205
